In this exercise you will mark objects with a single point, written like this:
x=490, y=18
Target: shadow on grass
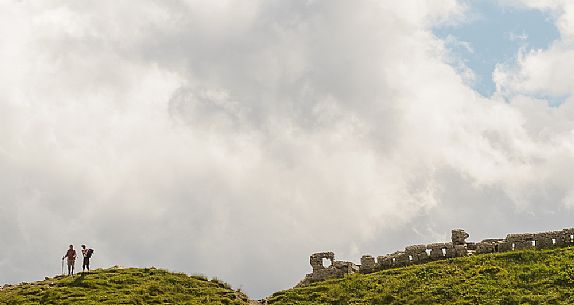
x=79, y=281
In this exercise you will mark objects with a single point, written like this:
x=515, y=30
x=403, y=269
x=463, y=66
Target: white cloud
x=538, y=72
x=234, y=138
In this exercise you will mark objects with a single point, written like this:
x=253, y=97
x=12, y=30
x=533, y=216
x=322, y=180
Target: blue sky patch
x=494, y=34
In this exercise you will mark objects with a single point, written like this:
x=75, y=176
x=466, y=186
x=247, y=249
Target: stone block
x=384, y=262
x=519, y=237
x=316, y=260
x=458, y=237
x=504, y=246
x=485, y=247
x=417, y=252
x=562, y=239
x=460, y=250
x=567, y=236
x=401, y=259
x=523, y=245
x=436, y=251
x=367, y=264
x=543, y=241
x=450, y=251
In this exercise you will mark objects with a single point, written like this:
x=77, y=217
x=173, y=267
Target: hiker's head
x=71, y=246
x=83, y=246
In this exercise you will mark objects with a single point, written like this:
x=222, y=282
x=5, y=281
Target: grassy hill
x=521, y=277
x=124, y=286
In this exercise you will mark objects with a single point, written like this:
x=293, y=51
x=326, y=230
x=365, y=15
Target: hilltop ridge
x=124, y=286
x=518, y=277
x=509, y=278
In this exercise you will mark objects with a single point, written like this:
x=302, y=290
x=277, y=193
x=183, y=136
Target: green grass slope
x=124, y=286
x=521, y=277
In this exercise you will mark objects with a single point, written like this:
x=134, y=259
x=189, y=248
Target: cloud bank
x=235, y=138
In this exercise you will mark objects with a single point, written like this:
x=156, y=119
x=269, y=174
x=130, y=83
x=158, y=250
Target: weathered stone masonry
x=416, y=254
x=336, y=269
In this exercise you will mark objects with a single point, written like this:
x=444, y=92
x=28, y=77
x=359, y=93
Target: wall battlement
x=417, y=254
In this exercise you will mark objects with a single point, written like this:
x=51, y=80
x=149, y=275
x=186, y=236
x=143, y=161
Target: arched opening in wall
x=571, y=237
x=327, y=262
x=443, y=251
x=410, y=258
x=553, y=241
x=533, y=243
x=513, y=246
x=428, y=251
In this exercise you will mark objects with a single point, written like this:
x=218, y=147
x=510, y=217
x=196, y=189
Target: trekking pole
x=62, y=266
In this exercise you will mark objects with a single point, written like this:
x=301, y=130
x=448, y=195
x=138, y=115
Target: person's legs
x=71, y=267
x=88, y=264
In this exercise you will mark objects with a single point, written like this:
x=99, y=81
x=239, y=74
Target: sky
x=493, y=35
x=236, y=138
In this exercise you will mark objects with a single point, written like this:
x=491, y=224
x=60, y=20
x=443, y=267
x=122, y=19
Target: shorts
x=71, y=262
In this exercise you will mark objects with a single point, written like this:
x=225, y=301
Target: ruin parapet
x=336, y=269
x=316, y=260
x=417, y=254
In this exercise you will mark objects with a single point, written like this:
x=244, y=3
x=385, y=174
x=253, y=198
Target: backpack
x=90, y=252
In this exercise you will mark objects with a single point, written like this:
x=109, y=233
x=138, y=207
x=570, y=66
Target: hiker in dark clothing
x=86, y=253
x=71, y=255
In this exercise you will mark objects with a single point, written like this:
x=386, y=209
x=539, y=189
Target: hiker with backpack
x=87, y=254
x=71, y=255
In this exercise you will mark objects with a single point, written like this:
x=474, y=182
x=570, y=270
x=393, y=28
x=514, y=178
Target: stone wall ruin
x=335, y=270
x=417, y=254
